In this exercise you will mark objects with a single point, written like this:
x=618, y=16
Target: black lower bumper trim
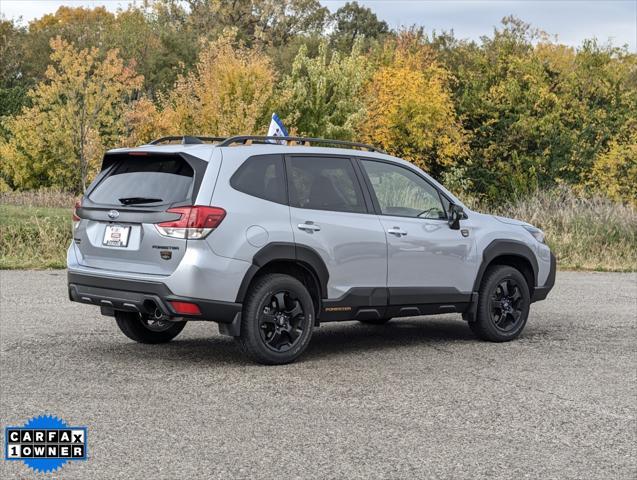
x=144, y=297
x=540, y=293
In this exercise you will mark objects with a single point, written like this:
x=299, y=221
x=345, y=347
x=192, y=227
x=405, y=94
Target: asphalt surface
x=417, y=398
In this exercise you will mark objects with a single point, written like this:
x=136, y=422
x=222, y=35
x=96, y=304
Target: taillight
x=75, y=217
x=194, y=223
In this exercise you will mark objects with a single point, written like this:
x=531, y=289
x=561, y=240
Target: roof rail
x=257, y=139
x=187, y=139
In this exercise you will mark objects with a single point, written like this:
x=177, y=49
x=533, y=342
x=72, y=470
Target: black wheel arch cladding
x=303, y=256
x=310, y=260
x=507, y=249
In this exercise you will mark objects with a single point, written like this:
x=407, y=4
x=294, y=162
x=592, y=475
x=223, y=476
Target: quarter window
x=262, y=177
x=401, y=192
x=324, y=183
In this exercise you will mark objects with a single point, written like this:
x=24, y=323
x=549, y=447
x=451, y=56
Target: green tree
x=353, y=21
x=158, y=39
x=539, y=113
x=13, y=87
x=600, y=92
x=11, y=53
x=76, y=112
x=321, y=97
x=85, y=27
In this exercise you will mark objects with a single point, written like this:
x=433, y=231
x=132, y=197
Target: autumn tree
x=540, y=113
x=76, y=112
x=228, y=93
x=84, y=27
x=258, y=22
x=497, y=118
x=321, y=97
x=409, y=108
x=614, y=172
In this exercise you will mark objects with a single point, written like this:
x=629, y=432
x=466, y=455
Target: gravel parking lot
x=417, y=398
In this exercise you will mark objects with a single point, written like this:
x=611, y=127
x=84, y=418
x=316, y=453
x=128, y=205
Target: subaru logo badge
x=113, y=214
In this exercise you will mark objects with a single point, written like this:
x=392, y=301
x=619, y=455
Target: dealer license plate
x=116, y=236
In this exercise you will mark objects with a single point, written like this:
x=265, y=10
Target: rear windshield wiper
x=137, y=200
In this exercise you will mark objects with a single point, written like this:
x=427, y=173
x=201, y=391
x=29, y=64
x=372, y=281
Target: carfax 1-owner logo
x=45, y=443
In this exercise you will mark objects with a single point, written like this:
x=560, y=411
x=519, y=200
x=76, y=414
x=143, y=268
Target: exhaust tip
x=152, y=309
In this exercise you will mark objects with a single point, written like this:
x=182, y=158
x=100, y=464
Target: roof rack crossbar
x=255, y=139
x=187, y=139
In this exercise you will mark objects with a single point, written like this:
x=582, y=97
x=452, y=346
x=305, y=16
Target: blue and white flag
x=277, y=129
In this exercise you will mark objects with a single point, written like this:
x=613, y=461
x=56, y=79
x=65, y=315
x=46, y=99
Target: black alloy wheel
x=282, y=321
x=504, y=299
x=507, y=305
x=277, y=319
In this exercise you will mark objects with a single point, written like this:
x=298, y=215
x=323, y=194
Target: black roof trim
x=307, y=141
x=187, y=139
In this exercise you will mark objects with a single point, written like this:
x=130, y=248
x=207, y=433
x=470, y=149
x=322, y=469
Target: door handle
x=308, y=227
x=397, y=231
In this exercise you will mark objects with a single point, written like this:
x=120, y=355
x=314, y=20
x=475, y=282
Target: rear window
x=145, y=181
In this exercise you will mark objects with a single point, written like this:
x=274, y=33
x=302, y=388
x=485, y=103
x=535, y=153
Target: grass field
x=585, y=234
x=34, y=237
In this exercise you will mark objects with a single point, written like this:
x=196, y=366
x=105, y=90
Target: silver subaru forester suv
x=270, y=237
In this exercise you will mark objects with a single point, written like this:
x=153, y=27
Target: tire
x=503, y=305
x=137, y=328
x=277, y=320
x=376, y=321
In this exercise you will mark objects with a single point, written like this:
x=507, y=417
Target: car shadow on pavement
x=354, y=337
x=210, y=350
x=328, y=341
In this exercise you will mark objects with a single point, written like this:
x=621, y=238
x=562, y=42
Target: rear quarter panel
x=251, y=222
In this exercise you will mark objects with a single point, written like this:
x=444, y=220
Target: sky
x=570, y=20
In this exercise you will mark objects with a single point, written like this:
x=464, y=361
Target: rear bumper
x=142, y=296
x=540, y=293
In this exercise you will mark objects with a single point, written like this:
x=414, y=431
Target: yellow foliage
x=66, y=17
x=76, y=114
x=145, y=123
x=614, y=173
x=410, y=112
x=4, y=187
x=228, y=93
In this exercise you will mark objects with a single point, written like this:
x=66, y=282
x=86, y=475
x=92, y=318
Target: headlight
x=536, y=232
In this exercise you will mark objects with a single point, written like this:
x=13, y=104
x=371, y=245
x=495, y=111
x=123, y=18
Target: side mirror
x=455, y=215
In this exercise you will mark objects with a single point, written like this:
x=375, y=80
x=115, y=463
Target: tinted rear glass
x=163, y=178
x=261, y=176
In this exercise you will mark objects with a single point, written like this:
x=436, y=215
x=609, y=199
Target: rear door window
x=146, y=181
x=324, y=183
x=261, y=176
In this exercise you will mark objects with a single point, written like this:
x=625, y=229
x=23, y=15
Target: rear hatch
x=121, y=207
